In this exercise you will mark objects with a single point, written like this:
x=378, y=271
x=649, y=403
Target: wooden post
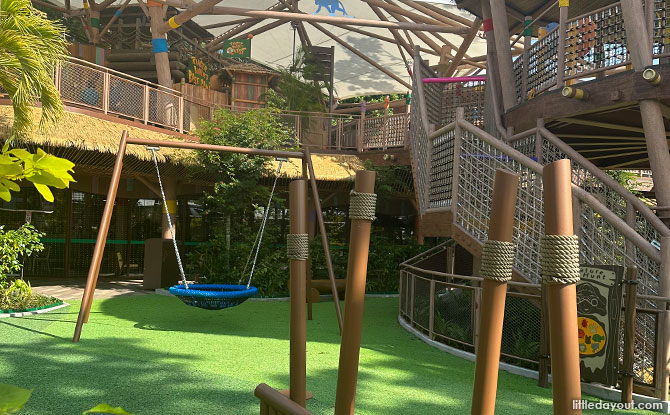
x=105, y=92
x=146, y=102
x=310, y=232
x=361, y=129
x=492, y=312
x=527, y=38
x=100, y=241
x=298, y=269
x=562, y=30
x=68, y=233
x=629, y=336
x=503, y=52
x=159, y=43
x=543, y=361
x=324, y=237
x=460, y=113
x=562, y=298
x=359, y=243
x=431, y=310
x=650, y=110
x=663, y=336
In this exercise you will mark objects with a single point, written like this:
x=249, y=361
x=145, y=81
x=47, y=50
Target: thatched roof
x=78, y=136
x=84, y=132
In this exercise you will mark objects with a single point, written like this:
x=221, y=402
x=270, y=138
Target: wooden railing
x=95, y=87
x=274, y=403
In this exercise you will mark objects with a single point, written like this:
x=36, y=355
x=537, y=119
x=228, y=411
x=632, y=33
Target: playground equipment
x=215, y=298
x=497, y=260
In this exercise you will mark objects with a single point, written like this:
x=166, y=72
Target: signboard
x=599, y=301
x=198, y=72
x=237, y=49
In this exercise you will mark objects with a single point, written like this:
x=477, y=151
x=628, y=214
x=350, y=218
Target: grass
x=154, y=355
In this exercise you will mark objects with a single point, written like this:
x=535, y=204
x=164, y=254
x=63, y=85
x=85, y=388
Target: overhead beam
x=201, y=7
x=399, y=10
x=214, y=43
x=428, y=41
x=396, y=35
x=464, y=47
x=230, y=23
x=602, y=124
x=266, y=14
x=360, y=55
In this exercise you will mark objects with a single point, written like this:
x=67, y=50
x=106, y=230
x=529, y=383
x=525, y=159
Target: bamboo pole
x=492, y=312
x=324, y=238
x=361, y=55
x=561, y=298
x=298, y=284
x=359, y=243
x=101, y=239
x=629, y=336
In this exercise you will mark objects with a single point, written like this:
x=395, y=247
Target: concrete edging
x=600, y=391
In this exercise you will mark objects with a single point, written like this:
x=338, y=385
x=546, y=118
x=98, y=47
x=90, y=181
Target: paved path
x=73, y=289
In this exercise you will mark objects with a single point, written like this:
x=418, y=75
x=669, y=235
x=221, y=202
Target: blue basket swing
x=216, y=296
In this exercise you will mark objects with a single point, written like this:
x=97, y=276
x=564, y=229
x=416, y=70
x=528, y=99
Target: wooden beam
x=266, y=14
x=428, y=41
x=230, y=23
x=541, y=11
x=396, y=35
x=607, y=125
x=464, y=47
x=360, y=55
x=435, y=11
x=264, y=28
x=214, y=43
x=113, y=19
x=201, y=7
x=389, y=7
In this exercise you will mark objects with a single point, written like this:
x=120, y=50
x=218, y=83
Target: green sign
x=198, y=72
x=237, y=48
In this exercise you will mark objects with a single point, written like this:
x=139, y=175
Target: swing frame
x=96, y=259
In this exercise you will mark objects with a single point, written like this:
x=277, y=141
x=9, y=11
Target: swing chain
x=167, y=211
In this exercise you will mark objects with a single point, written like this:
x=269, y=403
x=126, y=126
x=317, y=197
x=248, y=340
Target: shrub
x=15, y=246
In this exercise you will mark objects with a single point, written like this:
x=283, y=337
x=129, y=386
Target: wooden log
x=467, y=41
x=219, y=10
x=183, y=17
x=503, y=53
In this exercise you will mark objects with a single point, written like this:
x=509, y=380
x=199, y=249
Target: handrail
x=618, y=223
x=467, y=277
x=420, y=93
x=431, y=251
x=620, y=190
x=278, y=402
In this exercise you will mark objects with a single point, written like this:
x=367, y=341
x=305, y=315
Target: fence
x=595, y=43
x=445, y=306
x=96, y=87
x=454, y=168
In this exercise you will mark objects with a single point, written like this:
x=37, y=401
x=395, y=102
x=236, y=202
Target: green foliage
x=390, y=179
x=294, y=92
x=104, y=408
x=43, y=170
x=240, y=174
x=624, y=178
x=13, y=398
x=16, y=245
x=30, y=47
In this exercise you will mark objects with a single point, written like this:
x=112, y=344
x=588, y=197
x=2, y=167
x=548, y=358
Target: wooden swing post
x=98, y=250
x=298, y=283
x=491, y=316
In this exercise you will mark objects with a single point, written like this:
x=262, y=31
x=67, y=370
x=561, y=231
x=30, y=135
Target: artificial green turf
x=154, y=355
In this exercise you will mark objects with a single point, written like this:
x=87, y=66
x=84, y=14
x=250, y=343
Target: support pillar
x=359, y=245
x=502, y=51
x=561, y=296
x=650, y=110
x=493, y=292
x=159, y=44
x=298, y=269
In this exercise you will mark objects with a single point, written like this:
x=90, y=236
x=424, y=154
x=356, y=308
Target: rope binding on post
x=297, y=246
x=362, y=205
x=497, y=260
x=560, y=259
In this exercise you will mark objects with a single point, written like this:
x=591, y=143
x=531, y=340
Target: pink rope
x=454, y=79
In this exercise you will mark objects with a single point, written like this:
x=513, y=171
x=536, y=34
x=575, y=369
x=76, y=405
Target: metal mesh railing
x=441, y=170
x=468, y=95
x=661, y=27
x=82, y=85
x=453, y=312
x=421, y=302
x=419, y=149
x=542, y=64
